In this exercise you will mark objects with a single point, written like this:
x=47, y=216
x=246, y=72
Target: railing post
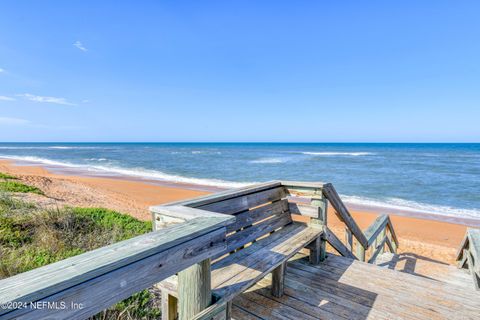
x=194, y=289
x=349, y=239
x=381, y=236
x=318, y=248
x=394, y=244
x=360, y=252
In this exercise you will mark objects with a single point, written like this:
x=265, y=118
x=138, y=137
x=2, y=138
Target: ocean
x=437, y=179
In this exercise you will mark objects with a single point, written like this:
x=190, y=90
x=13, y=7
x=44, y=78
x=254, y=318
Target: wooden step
x=426, y=268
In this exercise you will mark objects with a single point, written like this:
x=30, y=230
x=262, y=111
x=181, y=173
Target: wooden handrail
x=83, y=285
x=365, y=238
x=372, y=232
x=343, y=213
x=468, y=255
x=382, y=222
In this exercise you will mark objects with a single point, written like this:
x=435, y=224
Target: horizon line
x=255, y=142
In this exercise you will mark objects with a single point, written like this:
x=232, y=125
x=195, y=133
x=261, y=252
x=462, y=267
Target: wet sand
x=431, y=239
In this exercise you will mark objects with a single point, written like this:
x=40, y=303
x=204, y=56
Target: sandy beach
x=421, y=237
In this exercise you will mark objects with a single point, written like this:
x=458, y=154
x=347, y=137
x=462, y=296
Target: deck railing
x=378, y=235
x=468, y=255
x=82, y=286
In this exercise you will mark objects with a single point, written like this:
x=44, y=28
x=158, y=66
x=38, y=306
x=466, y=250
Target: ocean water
x=439, y=179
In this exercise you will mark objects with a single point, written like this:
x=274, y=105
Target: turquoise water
x=433, y=178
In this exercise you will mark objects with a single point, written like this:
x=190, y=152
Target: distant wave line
x=413, y=206
x=326, y=153
x=269, y=160
x=46, y=148
x=134, y=172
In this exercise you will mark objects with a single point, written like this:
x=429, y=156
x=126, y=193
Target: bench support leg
x=169, y=306
x=194, y=290
x=228, y=311
x=278, y=276
x=317, y=250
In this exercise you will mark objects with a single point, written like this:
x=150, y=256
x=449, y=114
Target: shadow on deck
x=341, y=288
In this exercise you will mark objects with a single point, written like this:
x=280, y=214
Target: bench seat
x=239, y=271
x=260, y=241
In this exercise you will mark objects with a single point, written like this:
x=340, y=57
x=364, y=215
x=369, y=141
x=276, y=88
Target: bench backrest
x=257, y=214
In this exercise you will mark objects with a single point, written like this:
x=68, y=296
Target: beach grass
x=14, y=186
x=31, y=237
x=6, y=176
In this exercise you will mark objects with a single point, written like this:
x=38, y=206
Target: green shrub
x=31, y=237
x=124, y=226
x=6, y=176
x=14, y=186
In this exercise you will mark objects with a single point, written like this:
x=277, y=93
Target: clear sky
x=240, y=71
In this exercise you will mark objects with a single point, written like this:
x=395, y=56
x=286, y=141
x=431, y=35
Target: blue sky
x=240, y=71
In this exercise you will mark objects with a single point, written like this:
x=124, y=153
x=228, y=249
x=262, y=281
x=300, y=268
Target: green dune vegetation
x=8, y=183
x=7, y=176
x=32, y=236
x=14, y=186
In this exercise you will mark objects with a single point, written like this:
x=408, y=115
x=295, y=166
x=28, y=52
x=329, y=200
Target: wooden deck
x=427, y=268
x=248, y=233
x=341, y=288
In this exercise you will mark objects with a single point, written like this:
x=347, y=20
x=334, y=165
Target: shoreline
x=77, y=171
x=437, y=240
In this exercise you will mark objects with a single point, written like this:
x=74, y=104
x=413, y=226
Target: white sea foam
x=403, y=205
x=388, y=204
x=134, y=172
x=204, y=152
x=45, y=148
x=71, y=147
x=354, y=154
x=269, y=160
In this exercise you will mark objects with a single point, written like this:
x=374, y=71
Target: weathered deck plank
x=424, y=267
x=337, y=289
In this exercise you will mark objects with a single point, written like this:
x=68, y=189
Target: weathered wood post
x=169, y=306
x=394, y=244
x=278, y=276
x=381, y=236
x=349, y=239
x=360, y=252
x=318, y=247
x=194, y=290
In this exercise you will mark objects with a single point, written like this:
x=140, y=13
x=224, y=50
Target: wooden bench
x=260, y=241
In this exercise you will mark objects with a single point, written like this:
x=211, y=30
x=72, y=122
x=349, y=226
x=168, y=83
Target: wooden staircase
x=380, y=235
x=344, y=288
x=426, y=268
x=468, y=255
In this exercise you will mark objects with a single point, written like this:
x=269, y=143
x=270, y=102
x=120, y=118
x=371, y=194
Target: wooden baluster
x=318, y=247
x=360, y=252
x=394, y=245
x=381, y=236
x=349, y=239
